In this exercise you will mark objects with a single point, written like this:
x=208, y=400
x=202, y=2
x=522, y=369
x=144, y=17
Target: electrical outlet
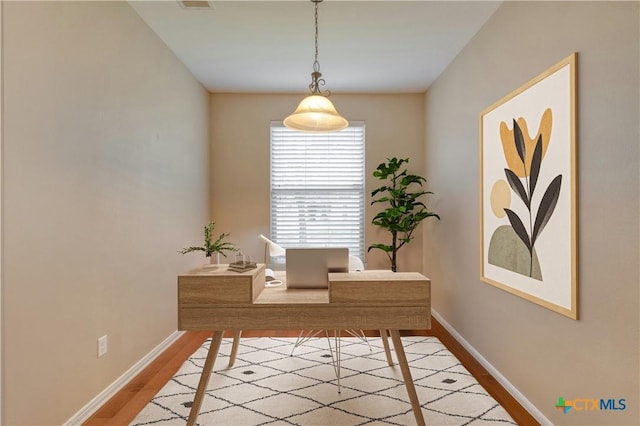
x=102, y=345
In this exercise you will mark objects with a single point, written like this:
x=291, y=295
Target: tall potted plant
x=212, y=249
x=404, y=211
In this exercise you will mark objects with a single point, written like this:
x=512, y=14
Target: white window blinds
x=317, y=188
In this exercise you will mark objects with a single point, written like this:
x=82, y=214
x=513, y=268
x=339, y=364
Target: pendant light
x=316, y=113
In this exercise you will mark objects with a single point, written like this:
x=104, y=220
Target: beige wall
x=240, y=160
x=104, y=175
x=546, y=355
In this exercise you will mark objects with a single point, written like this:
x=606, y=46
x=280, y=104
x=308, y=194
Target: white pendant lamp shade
x=316, y=113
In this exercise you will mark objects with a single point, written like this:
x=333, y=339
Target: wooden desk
x=212, y=298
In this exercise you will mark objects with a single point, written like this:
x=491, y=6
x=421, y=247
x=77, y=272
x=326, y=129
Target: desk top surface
x=370, y=286
x=284, y=295
x=375, y=275
x=220, y=270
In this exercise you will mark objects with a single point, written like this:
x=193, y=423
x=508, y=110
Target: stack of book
x=242, y=266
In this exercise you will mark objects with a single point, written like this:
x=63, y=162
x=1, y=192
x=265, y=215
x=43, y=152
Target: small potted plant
x=403, y=212
x=212, y=249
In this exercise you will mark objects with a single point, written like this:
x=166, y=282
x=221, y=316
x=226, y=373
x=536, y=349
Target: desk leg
x=408, y=380
x=234, y=347
x=387, y=350
x=204, y=378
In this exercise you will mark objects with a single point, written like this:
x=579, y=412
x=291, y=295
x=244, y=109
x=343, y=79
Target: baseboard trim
x=509, y=387
x=100, y=399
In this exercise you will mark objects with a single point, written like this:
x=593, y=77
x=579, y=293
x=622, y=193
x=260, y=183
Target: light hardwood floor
x=126, y=404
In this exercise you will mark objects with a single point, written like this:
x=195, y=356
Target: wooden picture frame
x=528, y=222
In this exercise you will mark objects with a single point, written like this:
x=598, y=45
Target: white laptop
x=308, y=267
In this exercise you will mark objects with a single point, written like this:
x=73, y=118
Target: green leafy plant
x=210, y=247
x=404, y=210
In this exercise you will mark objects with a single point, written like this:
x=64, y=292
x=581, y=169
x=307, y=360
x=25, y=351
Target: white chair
x=355, y=264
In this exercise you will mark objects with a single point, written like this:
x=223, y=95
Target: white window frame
x=295, y=178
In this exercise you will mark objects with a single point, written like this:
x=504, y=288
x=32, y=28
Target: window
x=317, y=188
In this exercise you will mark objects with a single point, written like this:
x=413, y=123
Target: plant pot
x=214, y=259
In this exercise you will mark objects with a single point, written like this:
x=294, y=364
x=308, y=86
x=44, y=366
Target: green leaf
x=420, y=216
x=419, y=204
x=381, y=189
x=381, y=200
x=409, y=179
x=379, y=174
x=191, y=249
x=383, y=247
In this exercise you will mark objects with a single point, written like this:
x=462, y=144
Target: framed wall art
x=528, y=190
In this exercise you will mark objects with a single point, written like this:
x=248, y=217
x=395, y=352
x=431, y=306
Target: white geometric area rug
x=267, y=386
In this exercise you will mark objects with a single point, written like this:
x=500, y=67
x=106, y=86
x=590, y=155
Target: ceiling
x=364, y=46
